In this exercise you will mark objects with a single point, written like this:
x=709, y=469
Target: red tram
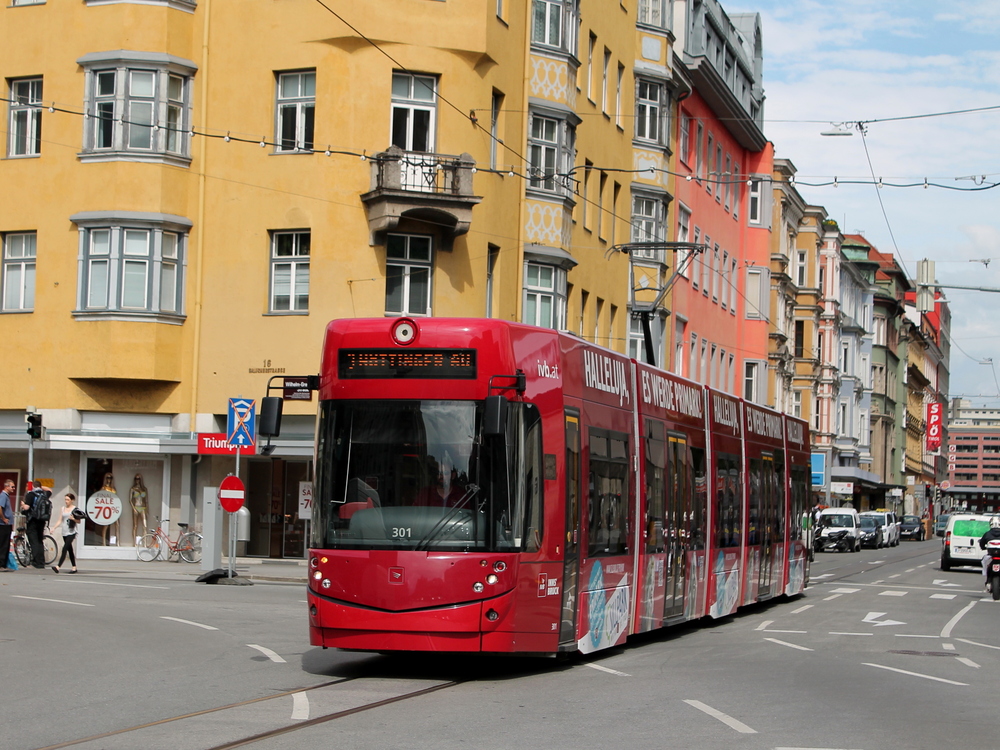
x=485, y=486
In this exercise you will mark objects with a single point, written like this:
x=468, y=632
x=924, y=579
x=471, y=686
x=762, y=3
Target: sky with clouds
x=878, y=63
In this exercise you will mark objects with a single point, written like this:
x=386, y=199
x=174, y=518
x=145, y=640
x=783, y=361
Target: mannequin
x=137, y=496
x=112, y=530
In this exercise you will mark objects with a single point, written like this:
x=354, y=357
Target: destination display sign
x=402, y=364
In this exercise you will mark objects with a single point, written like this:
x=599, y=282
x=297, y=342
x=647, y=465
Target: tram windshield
x=419, y=475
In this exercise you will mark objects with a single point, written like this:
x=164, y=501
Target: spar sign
x=935, y=412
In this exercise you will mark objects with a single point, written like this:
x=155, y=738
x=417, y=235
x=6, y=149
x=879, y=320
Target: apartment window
x=724, y=281
x=800, y=338
x=758, y=294
x=754, y=210
x=618, y=95
x=716, y=273
x=699, y=154
x=138, y=105
x=591, y=45
x=683, y=235
x=697, y=256
x=495, y=109
x=879, y=328
x=649, y=111
x=19, y=271
x=554, y=24
x=797, y=404
x=25, y=129
x=290, y=271
x=728, y=177
x=718, y=173
x=652, y=13
x=709, y=150
x=551, y=152
x=414, y=107
x=604, y=80
x=647, y=225
x=752, y=380
x=732, y=282
x=636, y=339
x=296, y=110
x=680, y=327
x=707, y=266
x=800, y=269
x=131, y=264
x=407, y=274
x=737, y=183
x=544, y=296
x=685, y=139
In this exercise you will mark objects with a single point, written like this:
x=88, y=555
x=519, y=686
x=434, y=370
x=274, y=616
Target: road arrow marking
x=943, y=582
x=872, y=617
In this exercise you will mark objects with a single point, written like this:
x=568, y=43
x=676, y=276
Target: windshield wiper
x=471, y=490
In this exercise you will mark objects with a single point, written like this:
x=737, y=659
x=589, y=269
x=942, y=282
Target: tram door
x=678, y=491
x=767, y=486
x=571, y=557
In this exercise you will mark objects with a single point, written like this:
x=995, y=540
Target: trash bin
x=242, y=531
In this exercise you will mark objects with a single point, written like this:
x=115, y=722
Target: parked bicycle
x=22, y=550
x=157, y=544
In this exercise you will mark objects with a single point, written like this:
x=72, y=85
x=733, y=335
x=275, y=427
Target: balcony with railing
x=436, y=188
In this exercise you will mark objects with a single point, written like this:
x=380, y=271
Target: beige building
x=192, y=191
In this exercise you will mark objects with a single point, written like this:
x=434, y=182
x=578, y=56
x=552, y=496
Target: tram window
x=800, y=491
x=699, y=499
x=729, y=501
x=655, y=471
x=608, y=510
x=533, y=476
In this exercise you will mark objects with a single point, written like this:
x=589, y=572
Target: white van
x=961, y=540
x=834, y=520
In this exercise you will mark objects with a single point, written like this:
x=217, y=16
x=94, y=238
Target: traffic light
x=35, y=426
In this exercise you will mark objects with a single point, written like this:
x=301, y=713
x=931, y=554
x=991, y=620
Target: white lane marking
x=845, y=591
x=948, y=646
x=967, y=662
x=832, y=596
x=834, y=632
x=786, y=643
x=268, y=653
x=300, y=706
x=607, y=669
x=893, y=593
x=910, y=570
x=944, y=582
x=79, y=582
x=897, y=575
x=809, y=748
x=976, y=643
x=729, y=721
x=876, y=583
x=188, y=622
x=764, y=624
x=916, y=674
x=911, y=635
x=943, y=596
x=946, y=633
x=800, y=632
x=825, y=575
x=801, y=609
x=56, y=601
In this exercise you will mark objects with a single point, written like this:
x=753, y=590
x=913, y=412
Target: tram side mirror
x=269, y=424
x=495, y=416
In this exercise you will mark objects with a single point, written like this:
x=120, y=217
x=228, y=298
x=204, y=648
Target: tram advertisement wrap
x=724, y=588
x=605, y=610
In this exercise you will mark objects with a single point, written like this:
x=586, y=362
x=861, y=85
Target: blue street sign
x=241, y=423
x=818, y=469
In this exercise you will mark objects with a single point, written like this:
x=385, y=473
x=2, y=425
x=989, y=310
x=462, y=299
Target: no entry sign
x=232, y=493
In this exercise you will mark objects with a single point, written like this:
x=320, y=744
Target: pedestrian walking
x=70, y=516
x=37, y=507
x=6, y=521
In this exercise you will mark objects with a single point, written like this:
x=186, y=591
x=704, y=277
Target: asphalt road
x=883, y=651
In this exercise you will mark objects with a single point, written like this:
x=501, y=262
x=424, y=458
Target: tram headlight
x=404, y=331
x=478, y=587
x=492, y=578
x=313, y=562
x=317, y=574
x=499, y=566
x=326, y=583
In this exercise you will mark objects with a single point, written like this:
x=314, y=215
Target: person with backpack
x=37, y=507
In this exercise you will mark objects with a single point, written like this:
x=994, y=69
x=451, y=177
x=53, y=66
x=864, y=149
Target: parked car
x=940, y=523
x=889, y=523
x=911, y=527
x=960, y=545
x=833, y=521
x=871, y=533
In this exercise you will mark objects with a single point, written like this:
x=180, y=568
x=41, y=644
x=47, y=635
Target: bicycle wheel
x=149, y=548
x=51, y=549
x=22, y=552
x=189, y=547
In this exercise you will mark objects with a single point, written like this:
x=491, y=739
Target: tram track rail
x=285, y=728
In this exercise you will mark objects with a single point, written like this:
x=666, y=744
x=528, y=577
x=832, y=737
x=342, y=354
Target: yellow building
x=193, y=189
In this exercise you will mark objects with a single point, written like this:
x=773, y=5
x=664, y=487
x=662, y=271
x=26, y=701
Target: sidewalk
x=254, y=568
